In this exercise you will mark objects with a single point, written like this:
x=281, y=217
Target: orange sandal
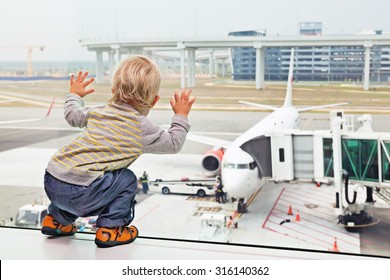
x=108, y=237
x=51, y=227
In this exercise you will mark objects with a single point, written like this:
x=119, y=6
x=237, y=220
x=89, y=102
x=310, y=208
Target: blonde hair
x=136, y=81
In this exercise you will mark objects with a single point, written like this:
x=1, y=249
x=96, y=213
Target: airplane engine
x=212, y=161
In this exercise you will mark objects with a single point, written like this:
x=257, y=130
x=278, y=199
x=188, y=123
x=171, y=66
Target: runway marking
x=148, y=213
x=204, y=209
x=197, y=198
x=325, y=216
x=272, y=209
x=324, y=225
x=8, y=101
x=250, y=200
x=316, y=227
x=325, y=244
x=209, y=209
x=253, y=196
x=18, y=97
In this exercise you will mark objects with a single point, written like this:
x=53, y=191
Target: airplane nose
x=237, y=176
x=233, y=184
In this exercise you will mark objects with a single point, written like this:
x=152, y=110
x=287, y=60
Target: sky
x=59, y=25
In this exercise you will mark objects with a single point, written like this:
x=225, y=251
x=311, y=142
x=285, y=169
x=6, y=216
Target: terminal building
x=313, y=63
x=244, y=59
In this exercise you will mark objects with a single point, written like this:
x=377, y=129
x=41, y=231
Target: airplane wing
x=208, y=140
x=31, y=120
x=321, y=107
x=268, y=107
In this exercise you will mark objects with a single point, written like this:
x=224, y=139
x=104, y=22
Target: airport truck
x=200, y=188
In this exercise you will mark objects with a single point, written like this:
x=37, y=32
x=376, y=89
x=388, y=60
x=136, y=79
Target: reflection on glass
x=30, y=215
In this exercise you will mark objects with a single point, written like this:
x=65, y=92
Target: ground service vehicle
x=200, y=188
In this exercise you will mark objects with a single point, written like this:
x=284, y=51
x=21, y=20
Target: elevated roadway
x=190, y=45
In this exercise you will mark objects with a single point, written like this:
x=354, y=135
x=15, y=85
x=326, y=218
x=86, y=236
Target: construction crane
x=30, y=48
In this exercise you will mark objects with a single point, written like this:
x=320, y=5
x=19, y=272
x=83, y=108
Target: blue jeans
x=110, y=197
x=145, y=187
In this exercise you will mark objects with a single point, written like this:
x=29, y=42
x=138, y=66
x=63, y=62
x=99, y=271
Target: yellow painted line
x=250, y=200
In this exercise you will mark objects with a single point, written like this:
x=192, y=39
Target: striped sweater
x=115, y=136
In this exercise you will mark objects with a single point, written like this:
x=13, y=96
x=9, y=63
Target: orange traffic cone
x=335, y=249
x=298, y=217
x=290, y=212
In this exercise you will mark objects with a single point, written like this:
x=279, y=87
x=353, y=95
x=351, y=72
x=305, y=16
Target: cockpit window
x=250, y=165
x=229, y=165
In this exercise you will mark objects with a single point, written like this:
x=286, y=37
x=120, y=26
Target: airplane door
x=282, y=156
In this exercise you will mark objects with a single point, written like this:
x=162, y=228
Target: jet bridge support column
x=336, y=135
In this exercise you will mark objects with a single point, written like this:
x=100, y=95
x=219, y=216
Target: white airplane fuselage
x=239, y=172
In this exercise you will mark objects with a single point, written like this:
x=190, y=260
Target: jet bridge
x=309, y=155
x=360, y=157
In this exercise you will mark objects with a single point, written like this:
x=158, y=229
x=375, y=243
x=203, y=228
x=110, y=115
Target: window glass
x=242, y=166
x=386, y=160
x=45, y=41
x=281, y=155
x=328, y=157
x=230, y=165
x=360, y=159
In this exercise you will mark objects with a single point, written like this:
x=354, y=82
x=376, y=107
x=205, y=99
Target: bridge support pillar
x=191, y=67
x=183, y=68
x=260, y=57
x=99, y=67
x=367, y=46
x=111, y=63
x=211, y=64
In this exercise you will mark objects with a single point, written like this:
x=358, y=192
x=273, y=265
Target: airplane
x=239, y=162
x=28, y=120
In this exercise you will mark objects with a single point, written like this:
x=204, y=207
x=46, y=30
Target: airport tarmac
x=28, y=149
